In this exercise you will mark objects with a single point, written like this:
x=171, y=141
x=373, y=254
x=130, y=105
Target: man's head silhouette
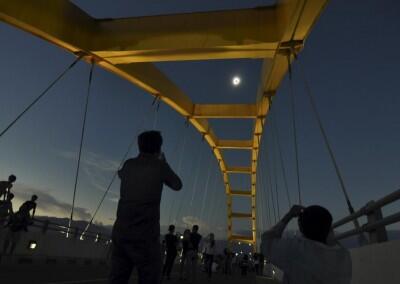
x=150, y=142
x=12, y=178
x=315, y=223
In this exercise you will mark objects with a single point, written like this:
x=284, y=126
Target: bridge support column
x=378, y=235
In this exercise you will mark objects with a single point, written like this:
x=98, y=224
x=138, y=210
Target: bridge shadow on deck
x=97, y=274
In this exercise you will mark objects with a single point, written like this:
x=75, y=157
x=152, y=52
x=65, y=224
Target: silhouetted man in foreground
x=307, y=260
x=136, y=230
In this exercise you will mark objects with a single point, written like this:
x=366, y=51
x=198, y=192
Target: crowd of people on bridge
x=12, y=224
x=136, y=233
x=190, y=252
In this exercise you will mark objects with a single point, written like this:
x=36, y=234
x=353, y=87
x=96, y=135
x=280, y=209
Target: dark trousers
x=209, y=259
x=142, y=255
x=243, y=270
x=169, y=262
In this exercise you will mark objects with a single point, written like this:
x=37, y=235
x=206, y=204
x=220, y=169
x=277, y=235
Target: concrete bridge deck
x=95, y=274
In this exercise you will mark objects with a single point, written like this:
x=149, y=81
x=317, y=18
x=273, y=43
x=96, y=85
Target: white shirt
x=209, y=248
x=304, y=261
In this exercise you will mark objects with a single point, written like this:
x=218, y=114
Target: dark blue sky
x=351, y=62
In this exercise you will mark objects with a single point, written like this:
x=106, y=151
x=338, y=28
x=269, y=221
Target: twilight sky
x=350, y=59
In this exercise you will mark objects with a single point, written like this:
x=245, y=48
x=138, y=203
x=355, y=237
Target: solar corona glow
x=236, y=81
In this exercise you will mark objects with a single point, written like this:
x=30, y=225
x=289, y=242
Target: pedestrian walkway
x=97, y=274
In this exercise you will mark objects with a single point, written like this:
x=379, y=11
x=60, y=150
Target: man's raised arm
x=170, y=178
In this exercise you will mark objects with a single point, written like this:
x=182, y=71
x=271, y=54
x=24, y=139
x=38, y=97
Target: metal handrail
x=394, y=218
x=376, y=225
x=369, y=207
x=52, y=226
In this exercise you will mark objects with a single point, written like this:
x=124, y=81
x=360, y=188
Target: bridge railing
x=376, y=223
x=73, y=232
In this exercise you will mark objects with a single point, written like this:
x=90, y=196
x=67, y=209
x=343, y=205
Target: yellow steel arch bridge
x=128, y=47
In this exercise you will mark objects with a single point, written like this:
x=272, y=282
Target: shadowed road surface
x=91, y=274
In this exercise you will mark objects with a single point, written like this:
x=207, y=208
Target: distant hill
x=105, y=230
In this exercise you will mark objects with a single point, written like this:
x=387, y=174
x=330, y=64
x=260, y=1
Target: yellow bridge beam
x=235, y=144
x=241, y=215
x=126, y=46
x=240, y=193
x=238, y=170
x=225, y=111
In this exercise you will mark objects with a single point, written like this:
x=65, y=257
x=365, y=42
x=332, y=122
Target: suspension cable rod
x=271, y=191
x=326, y=140
x=264, y=198
x=180, y=207
x=265, y=194
x=178, y=170
x=109, y=185
x=259, y=217
x=196, y=178
x=41, y=95
x=275, y=175
x=296, y=146
x=115, y=175
x=212, y=199
x=206, y=189
x=81, y=144
x=283, y=169
x=155, y=118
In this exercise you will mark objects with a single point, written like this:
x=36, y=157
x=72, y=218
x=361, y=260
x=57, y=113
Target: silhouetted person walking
x=256, y=263
x=186, y=246
x=244, y=265
x=171, y=241
x=261, y=260
x=5, y=186
x=209, y=253
x=136, y=232
x=307, y=260
x=192, y=254
x=228, y=261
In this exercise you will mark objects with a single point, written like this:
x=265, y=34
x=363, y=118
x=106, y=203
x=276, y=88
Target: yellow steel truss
x=128, y=46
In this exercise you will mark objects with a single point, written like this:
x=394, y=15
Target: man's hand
x=296, y=210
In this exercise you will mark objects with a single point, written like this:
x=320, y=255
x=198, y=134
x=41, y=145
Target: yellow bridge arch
x=128, y=47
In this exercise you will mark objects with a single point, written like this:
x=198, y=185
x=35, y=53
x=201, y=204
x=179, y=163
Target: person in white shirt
x=209, y=252
x=307, y=259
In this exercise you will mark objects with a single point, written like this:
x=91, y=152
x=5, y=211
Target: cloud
x=93, y=160
x=47, y=203
x=97, y=168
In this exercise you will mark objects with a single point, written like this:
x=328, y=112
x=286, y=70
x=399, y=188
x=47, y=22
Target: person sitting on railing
x=28, y=206
x=19, y=222
x=6, y=209
x=6, y=185
x=136, y=231
x=309, y=259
